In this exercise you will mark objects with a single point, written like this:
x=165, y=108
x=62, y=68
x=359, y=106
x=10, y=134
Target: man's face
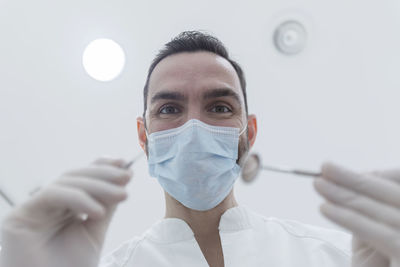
x=199, y=85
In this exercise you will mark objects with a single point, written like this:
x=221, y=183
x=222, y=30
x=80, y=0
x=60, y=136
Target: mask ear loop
x=244, y=129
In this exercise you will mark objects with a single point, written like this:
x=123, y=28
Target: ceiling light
x=103, y=59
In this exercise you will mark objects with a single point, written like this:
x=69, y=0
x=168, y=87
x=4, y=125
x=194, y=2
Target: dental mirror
x=253, y=166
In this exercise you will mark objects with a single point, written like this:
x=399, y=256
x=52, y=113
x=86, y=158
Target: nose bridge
x=194, y=110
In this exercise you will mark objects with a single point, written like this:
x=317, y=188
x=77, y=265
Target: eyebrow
x=168, y=95
x=221, y=92
x=213, y=93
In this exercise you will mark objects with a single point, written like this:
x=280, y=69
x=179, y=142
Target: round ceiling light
x=103, y=59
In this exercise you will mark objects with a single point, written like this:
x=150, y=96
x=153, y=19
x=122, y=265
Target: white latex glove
x=369, y=206
x=46, y=231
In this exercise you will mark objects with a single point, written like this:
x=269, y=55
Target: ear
x=141, y=129
x=252, y=129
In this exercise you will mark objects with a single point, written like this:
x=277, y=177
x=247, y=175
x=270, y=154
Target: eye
x=220, y=109
x=169, y=110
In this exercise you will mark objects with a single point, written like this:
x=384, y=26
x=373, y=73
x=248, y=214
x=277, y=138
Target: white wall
x=338, y=100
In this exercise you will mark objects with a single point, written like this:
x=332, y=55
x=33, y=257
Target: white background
x=337, y=100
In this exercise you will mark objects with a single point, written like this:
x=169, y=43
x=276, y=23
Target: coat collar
x=171, y=230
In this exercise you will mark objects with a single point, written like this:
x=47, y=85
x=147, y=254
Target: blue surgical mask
x=195, y=163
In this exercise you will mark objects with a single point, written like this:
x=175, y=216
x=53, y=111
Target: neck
x=202, y=223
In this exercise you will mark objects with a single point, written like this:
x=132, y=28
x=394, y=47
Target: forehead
x=193, y=73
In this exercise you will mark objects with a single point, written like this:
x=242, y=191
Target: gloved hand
x=47, y=230
x=369, y=206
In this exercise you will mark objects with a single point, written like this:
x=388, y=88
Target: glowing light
x=103, y=59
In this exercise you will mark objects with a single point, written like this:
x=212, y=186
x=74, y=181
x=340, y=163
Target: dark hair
x=193, y=41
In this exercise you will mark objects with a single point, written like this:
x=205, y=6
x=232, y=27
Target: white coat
x=247, y=239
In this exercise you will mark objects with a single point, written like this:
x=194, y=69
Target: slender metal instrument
x=6, y=198
x=253, y=166
x=130, y=163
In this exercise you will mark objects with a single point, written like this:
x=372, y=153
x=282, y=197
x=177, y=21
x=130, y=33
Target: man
x=196, y=132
